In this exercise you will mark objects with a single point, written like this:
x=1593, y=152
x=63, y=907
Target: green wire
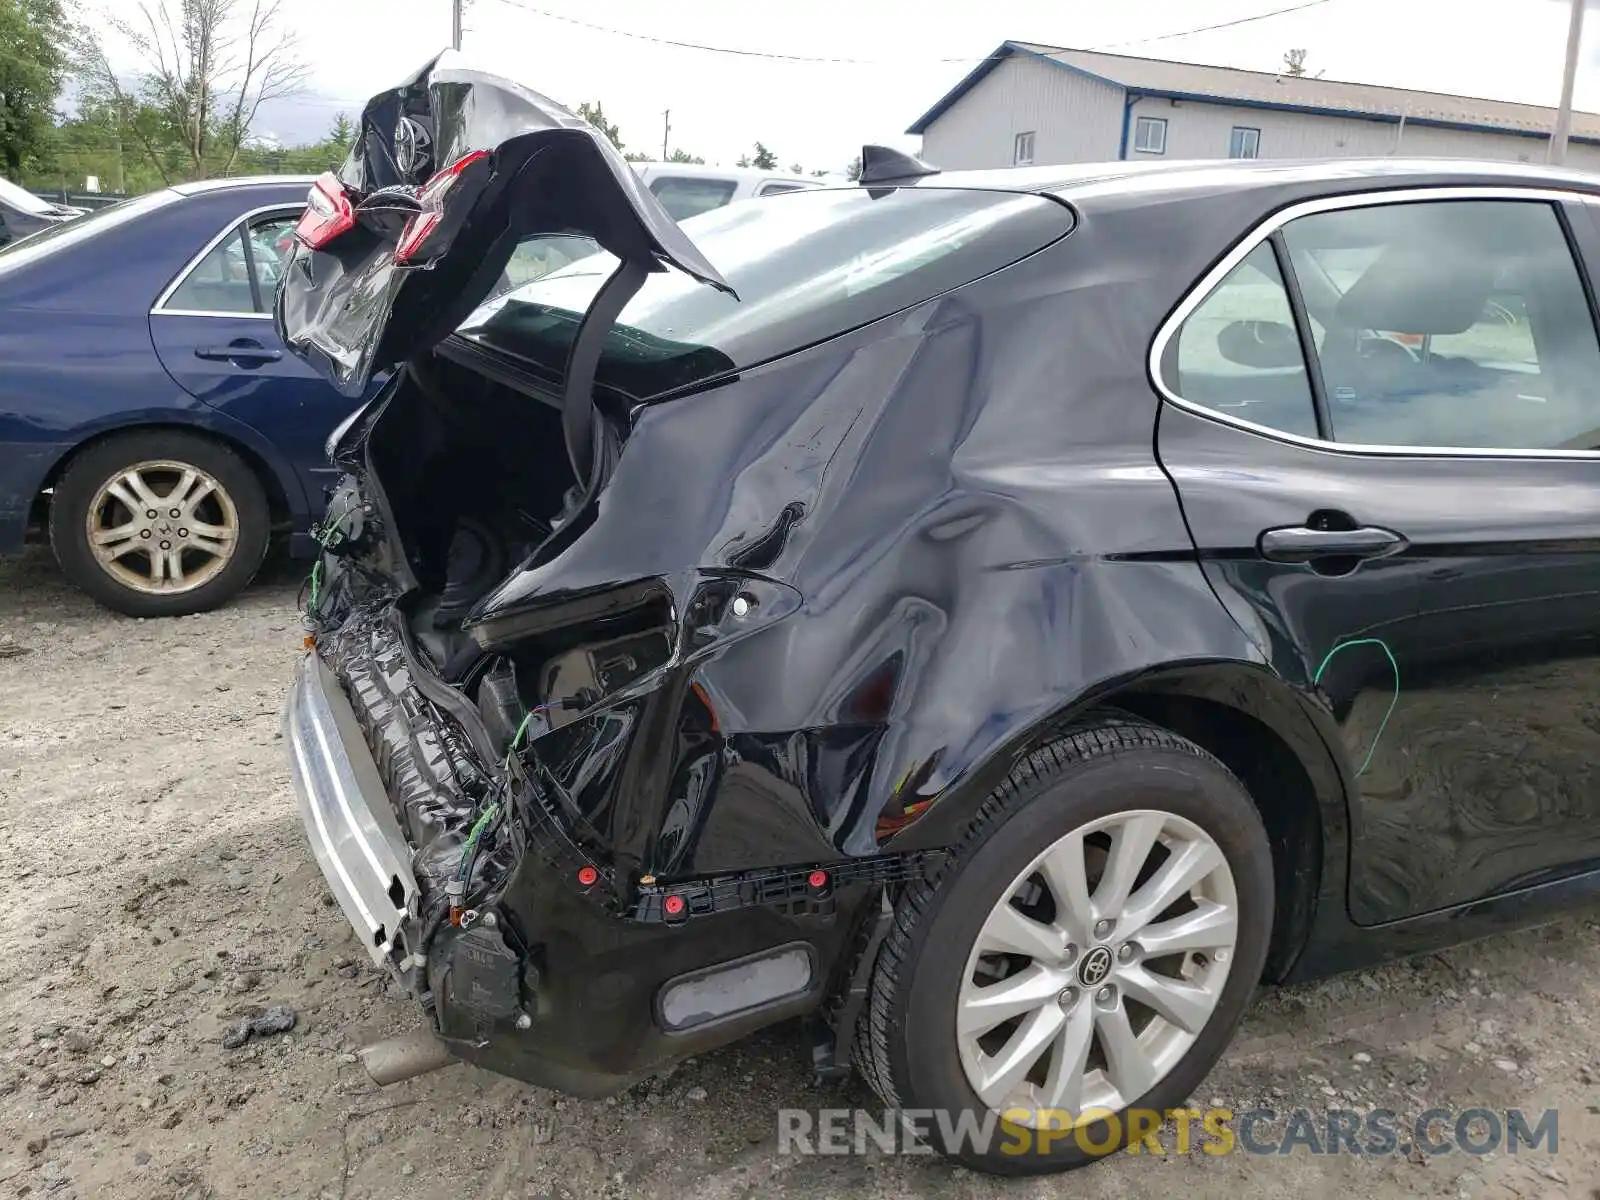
x=469, y=852
x=516, y=738
x=1394, y=700
x=316, y=581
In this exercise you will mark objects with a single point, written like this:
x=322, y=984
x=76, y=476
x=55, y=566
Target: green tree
x=683, y=156
x=595, y=114
x=206, y=68
x=343, y=134
x=33, y=64
x=853, y=171
x=796, y=169
x=764, y=159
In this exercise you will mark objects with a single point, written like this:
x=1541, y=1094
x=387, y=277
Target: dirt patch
x=161, y=897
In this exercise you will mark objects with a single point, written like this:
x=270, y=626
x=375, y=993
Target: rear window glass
x=683, y=197
x=806, y=266
x=22, y=199
x=80, y=229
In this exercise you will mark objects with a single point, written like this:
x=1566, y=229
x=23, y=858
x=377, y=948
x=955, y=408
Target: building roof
x=1261, y=89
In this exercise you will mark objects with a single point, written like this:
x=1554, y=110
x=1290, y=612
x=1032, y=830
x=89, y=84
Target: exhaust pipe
x=405, y=1057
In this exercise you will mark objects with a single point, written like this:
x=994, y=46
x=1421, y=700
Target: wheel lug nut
x=1125, y=954
x=1102, y=928
x=176, y=513
x=1067, y=997
x=1106, y=995
x=166, y=545
x=144, y=533
x=1069, y=954
x=183, y=533
x=152, y=514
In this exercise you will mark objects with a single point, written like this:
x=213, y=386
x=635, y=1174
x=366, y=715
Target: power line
x=739, y=52
x=1277, y=12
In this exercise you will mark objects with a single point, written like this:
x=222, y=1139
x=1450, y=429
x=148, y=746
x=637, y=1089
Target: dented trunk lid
x=449, y=171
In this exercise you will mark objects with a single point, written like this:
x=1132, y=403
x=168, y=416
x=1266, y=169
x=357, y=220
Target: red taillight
x=328, y=213
x=431, y=198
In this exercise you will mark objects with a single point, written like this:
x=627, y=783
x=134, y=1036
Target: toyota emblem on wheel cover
x=1096, y=965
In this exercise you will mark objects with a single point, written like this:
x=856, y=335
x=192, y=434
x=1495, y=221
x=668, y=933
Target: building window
x=1022, y=150
x=1150, y=135
x=1245, y=142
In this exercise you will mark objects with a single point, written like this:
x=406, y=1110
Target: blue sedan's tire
x=159, y=523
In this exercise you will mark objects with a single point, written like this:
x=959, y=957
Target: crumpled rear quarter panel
x=965, y=499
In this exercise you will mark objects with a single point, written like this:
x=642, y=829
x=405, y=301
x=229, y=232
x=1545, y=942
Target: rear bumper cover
x=352, y=827
x=593, y=980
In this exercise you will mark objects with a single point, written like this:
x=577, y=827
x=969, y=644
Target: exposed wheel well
x=277, y=501
x=1281, y=789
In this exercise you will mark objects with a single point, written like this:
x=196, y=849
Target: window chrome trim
x=159, y=308
x=1212, y=279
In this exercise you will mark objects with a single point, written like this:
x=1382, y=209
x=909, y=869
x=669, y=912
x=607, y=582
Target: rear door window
x=1238, y=353
x=240, y=273
x=1459, y=323
x=819, y=263
x=218, y=283
x=684, y=197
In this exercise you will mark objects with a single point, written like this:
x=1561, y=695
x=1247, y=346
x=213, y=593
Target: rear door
x=1383, y=422
x=451, y=171
x=213, y=330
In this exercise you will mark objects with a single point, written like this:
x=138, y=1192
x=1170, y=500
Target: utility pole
x=455, y=23
x=1558, y=140
x=666, y=129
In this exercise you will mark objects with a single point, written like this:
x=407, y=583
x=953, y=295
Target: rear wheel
x=159, y=524
x=1088, y=951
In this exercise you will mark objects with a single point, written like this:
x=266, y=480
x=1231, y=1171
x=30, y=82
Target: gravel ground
x=161, y=891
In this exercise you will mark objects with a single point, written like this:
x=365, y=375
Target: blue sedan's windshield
x=53, y=238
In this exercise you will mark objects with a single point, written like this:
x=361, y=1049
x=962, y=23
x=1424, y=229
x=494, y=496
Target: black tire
x=94, y=467
x=906, y=1048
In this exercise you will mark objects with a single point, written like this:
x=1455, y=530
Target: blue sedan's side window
x=219, y=283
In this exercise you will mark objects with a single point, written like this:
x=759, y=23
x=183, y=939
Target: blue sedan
x=150, y=418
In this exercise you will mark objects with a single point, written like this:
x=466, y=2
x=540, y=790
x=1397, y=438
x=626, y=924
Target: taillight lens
x=431, y=199
x=328, y=213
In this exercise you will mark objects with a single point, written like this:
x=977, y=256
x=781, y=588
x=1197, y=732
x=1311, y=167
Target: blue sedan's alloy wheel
x=162, y=527
x=159, y=523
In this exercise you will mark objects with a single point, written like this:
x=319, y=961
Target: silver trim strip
x=352, y=830
x=207, y=312
x=1213, y=278
x=159, y=308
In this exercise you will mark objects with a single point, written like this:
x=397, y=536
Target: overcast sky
x=819, y=114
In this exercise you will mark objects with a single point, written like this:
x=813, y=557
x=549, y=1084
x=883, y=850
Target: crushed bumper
x=349, y=821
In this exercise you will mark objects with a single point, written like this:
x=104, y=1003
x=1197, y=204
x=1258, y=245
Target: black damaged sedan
x=999, y=618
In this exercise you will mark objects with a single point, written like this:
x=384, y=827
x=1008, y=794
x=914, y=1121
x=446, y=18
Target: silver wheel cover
x=1097, y=969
